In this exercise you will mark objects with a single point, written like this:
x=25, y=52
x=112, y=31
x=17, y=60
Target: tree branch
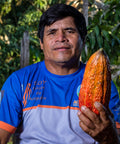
x=101, y=5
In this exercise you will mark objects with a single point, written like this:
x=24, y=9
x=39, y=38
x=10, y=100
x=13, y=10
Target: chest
x=51, y=92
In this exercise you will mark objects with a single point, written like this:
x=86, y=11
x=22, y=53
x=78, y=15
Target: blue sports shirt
x=44, y=106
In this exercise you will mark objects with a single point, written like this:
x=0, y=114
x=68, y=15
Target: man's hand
x=100, y=127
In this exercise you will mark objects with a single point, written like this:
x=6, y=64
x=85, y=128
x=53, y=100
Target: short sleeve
x=114, y=104
x=11, y=105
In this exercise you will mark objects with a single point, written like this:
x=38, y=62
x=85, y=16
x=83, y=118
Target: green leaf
x=99, y=41
x=105, y=34
x=97, y=32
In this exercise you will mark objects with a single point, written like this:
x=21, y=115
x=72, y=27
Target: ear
x=41, y=45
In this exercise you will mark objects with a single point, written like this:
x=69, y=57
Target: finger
x=86, y=121
x=104, y=116
x=86, y=129
x=91, y=115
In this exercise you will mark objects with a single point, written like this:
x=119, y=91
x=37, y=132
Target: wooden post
x=85, y=10
x=24, y=54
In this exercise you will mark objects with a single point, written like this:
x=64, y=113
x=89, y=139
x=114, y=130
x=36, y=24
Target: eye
x=52, y=32
x=70, y=31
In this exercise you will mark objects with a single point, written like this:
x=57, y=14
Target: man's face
x=62, y=42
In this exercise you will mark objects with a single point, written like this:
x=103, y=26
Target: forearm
x=111, y=138
x=114, y=141
x=118, y=130
x=4, y=136
x=4, y=140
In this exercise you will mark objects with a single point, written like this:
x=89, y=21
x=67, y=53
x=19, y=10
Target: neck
x=62, y=68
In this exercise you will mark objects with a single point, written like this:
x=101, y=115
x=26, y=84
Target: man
x=42, y=99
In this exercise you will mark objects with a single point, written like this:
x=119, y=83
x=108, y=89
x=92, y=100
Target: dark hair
x=58, y=12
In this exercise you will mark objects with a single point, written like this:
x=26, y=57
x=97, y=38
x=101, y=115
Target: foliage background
x=18, y=16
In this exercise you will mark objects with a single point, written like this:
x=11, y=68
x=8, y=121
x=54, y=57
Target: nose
x=61, y=36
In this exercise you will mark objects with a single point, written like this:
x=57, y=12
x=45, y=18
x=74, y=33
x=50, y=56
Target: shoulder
x=82, y=68
x=82, y=65
x=29, y=69
x=114, y=91
x=24, y=74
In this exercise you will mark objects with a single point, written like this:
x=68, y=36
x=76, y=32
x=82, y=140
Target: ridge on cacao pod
x=96, y=83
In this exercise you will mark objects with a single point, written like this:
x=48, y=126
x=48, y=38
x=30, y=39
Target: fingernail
x=83, y=108
x=79, y=113
x=97, y=104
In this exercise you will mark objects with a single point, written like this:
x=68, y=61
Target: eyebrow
x=55, y=29
x=71, y=28
x=51, y=30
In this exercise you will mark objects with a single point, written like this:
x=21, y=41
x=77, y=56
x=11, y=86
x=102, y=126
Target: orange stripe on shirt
x=54, y=107
x=117, y=125
x=7, y=127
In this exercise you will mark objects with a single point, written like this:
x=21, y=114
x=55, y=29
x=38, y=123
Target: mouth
x=62, y=48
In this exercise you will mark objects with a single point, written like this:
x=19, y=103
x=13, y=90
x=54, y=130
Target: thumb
x=104, y=114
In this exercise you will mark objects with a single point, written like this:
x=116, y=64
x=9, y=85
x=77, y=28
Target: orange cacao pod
x=96, y=83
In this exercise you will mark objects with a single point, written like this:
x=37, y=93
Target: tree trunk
x=85, y=10
x=85, y=13
x=24, y=54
